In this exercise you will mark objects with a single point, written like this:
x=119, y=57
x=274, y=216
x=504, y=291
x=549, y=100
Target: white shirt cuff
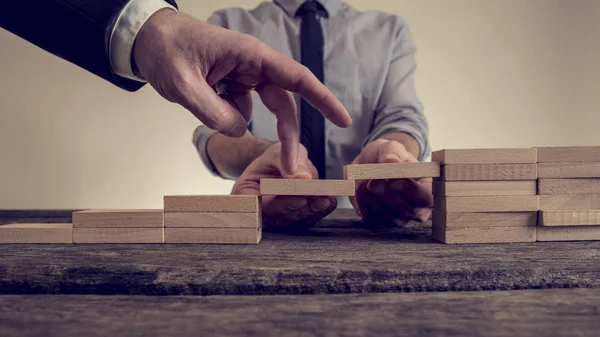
x=129, y=22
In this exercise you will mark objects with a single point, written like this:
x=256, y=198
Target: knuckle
x=250, y=49
x=300, y=77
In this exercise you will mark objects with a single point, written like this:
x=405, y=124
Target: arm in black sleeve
x=75, y=30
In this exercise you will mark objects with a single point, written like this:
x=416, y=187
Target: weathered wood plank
x=324, y=261
x=334, y=258
x=529, y=313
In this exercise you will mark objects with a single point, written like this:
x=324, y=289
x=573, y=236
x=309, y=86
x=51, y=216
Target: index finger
x=292, y=76
x=281, y=103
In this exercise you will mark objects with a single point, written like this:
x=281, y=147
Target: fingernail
x=392, y=158
x=301, y=175
x=238, y=130
x=378, y=188
x=297, y=204
x=319, y=205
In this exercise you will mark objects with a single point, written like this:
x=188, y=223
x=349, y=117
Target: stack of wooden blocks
x=481, y=196
x=118, y=226
x=569, y=189
x=227, y=219
x=485, y=196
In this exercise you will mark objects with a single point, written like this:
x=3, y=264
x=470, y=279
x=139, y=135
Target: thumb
x=215, y=112
x=304, y=169
x=393, y=152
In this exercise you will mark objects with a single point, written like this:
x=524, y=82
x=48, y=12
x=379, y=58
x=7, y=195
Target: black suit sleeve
x=75, y=30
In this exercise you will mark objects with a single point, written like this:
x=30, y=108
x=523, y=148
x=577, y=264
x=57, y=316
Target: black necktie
x=312, y=134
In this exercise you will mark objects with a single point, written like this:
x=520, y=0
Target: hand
x=391, y=201
x=284, y=210
x=211, y=71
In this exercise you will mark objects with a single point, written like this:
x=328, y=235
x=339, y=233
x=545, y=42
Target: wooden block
x=391, y=171
x=317, y=187
x=572, y=233
x=36, y=233
x=489, y=172
x=214, y=235
x=118, y=218
x=588, y=217
x=207, y=220
x=568, y=154
x=569, y=201
x=478, y=220
x=568, y=186
x=118, y=235
x=484, y=188
x=569, y=170
x=485, y=156
x=485, y=235
x=487, y=204
x=212, y=203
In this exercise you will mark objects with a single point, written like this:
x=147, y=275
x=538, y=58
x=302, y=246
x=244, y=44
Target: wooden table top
x=337, y=257
x=548, y=313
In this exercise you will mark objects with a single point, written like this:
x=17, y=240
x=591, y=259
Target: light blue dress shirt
x=369, y=65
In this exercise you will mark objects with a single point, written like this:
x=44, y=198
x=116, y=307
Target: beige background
x=492, y=73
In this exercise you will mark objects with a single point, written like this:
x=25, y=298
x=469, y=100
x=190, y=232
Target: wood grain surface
x=317, y=187
x=212, y=203
x=568, y=154
x=392, y=171
x=521, y=203
x=340, y=255
x=144, y=218
x=487, y=172
x=569, y=201
x=484, y=188
x=527, y=313
x=569, y=186
x=568, y=170
x=485, y=156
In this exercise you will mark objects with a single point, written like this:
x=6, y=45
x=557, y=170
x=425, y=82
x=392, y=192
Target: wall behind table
x=494, y=73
